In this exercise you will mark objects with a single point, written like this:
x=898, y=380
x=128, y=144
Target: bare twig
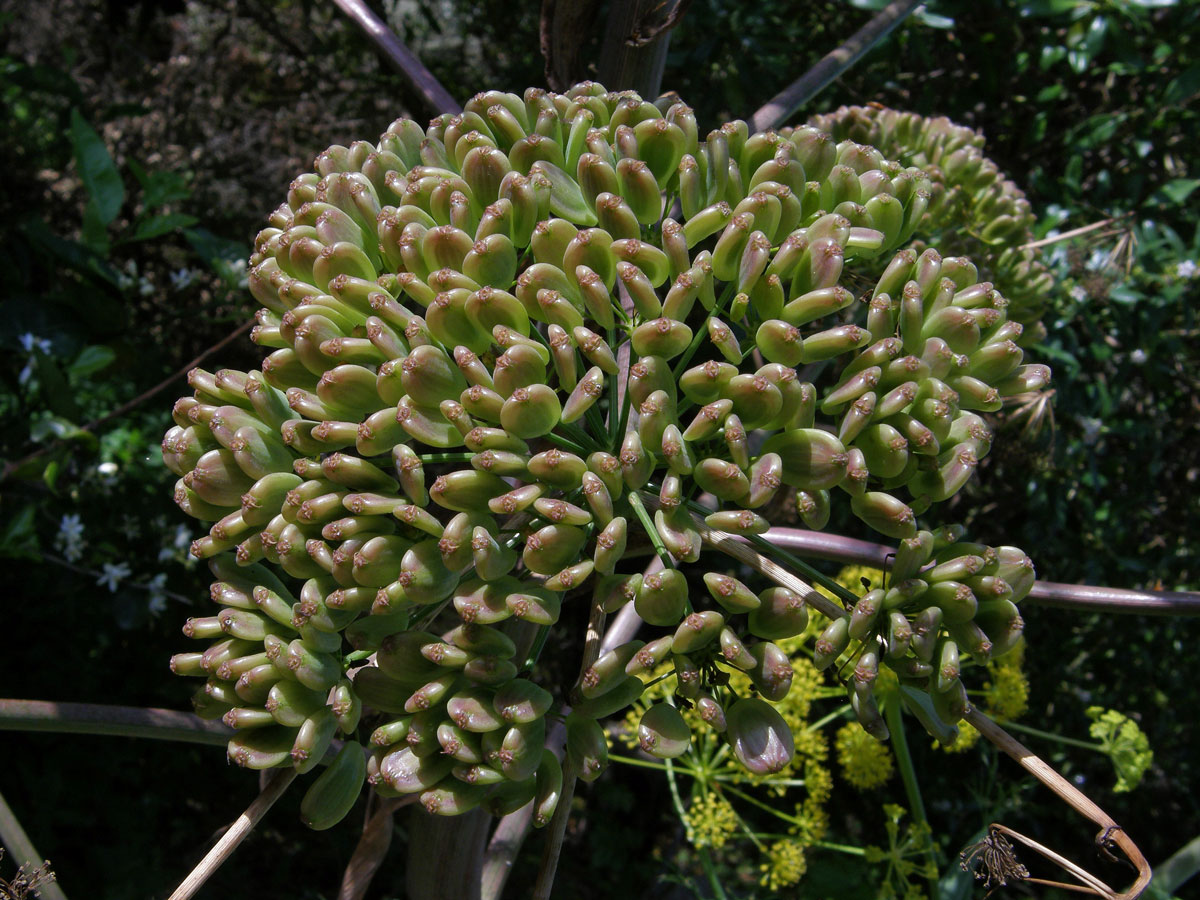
x=1066, y=235
x=646, y=29
x=91, y=426
x=14, y=838
x=400, y=56
x=117, y=721
x=833, y=64
x=1110, y=833
x=372, y=847
x=237, y=833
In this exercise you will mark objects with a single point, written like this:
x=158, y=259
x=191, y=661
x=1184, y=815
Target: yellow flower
x=785, y=865
x=865, y=762
x=710, y=820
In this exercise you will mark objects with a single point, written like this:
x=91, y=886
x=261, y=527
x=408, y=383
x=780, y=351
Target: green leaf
x=1125, y=744
x=97, y=169
x=156, y=226
x=91, y=359
x=1183, y=86
x=54, y=388
x=159, y=188
x=1180, y=189
x=19, y=538
x=60, y=429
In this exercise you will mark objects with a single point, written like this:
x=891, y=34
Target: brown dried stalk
x=1110, y=832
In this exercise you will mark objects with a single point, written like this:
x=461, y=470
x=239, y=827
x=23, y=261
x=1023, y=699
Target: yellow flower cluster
x=865, y=762
x=710, y=820
x=1007, y=693
x=785, y=865
x=968, y=737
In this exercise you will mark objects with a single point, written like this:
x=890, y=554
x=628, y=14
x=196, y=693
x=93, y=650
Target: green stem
x=633, y=761
x=825, y=720
x=536, y=650
x=767, y=548
x=580, y=436
x=840, y=848
x=711, y=871
x=702, y=331
x=908, y=774
x=1051, y=736
x=445, y=457
x=754, y=801
x=118, y=721
x=639, y=509
x=566, y=444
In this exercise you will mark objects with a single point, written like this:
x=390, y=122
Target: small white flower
x=158, y=596
x=145, y=286
x=1078, y=293
x=1138, y=356
x=113, y=574
x=183, y=537
x=31, y=342
x=70, y=527
x=1186, y=269
x=182, y=278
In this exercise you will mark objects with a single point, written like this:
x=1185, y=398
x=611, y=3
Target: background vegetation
x=144, y=144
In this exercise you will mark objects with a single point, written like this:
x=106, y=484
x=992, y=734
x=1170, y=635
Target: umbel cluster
x=509, y=353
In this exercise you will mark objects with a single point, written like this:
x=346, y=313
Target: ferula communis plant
x=510, y=349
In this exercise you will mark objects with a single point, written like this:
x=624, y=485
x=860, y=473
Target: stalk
x=908, y=774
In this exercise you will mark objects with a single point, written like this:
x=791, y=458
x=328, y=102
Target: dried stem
x=400, y=56
x=832, y=65
x=1066, y=235
x=118, y=721
x=237, y=833
x=1110, y=832
x=14, y=838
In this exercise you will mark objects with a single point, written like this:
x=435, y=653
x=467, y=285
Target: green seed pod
x=864, y=615
x=614, y=591
x=781, y=613
x=408, y=773
x=772, y=671
x=662, y=598
x=610, y=545
x=812, y=459
x=925, y=630
x=317, y=670
x=832, y=643
x=313, y=740
x=549, y=549
x=261, y=748
x=741, y=522
x=814, y=508
x=521, y=702
x=885, y=514
x=730, y=593
x=760, y=739
x=483, y=602
x=697, y=630
x=663, y=733
x=587, y=749
x=610, y=670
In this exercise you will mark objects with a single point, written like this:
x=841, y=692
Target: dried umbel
x=508, y=348
x=972, y=200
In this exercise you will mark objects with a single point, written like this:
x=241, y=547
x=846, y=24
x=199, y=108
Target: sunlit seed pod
x=637, y=462
x=492, y=560
x=1003, y=625
x=483, y=602
x=650, y=374
x=833, y=641
x=866, y=710
x=317, y=670
x=708, y=421
x=780, y=342
x=610, y=546
x=502, y=463
x=614, y=591
x=607, y=468
x=1024, y=380
x=595, y=176
x=612, y=701
x=821, y=263
x=756, y=399
x=654, y=414
x=261, y=748
x=865, y=614
x=948, y=479
x=723, y=479
x=730, y=593
x=812, y=459
x=550, y=240
x=705, y=383
x=973, y=639
x=599, y=500
x=950, y=705
x=663, y=733
x=558, y=469
x=479, y=776
x=612, y=668
x=549, y=549
x=521, y=702
x=676, y=451
x=313, y=740
x=730, y=246
x=856, y=418
x=571, y=576
x=697, y=630
x=765, y=479
x=291, y=703
x=662, y=597
x=706, y=222
x=735, y=521
x=772, y=671
x=408, y=773
x=833, y=342
x=665, y=338
x=520, y=366
x=760, y=739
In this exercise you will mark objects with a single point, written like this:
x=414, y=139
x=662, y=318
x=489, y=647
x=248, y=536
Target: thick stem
x=18, y=844
x=400, y=56
x=832, y=65
x=237, y=833
x=117, y=721
x=625, y=65
x=1078, y=597
x=445, y=856
x=908, y=773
